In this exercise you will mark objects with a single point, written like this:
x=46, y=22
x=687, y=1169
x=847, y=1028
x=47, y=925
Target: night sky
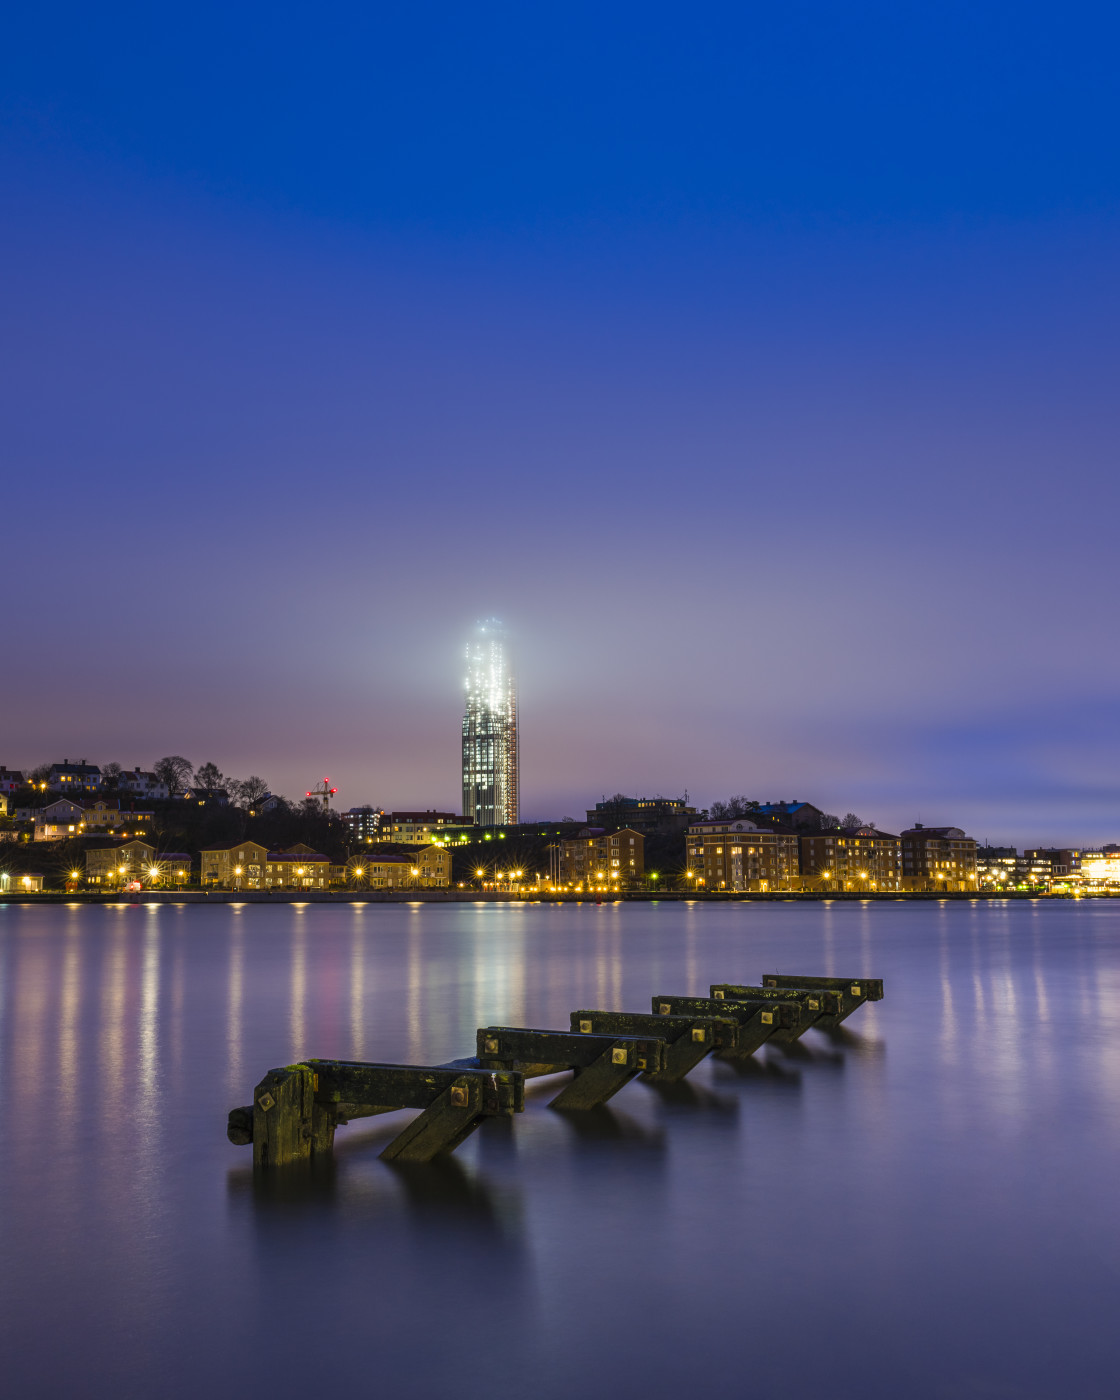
x=757, y=364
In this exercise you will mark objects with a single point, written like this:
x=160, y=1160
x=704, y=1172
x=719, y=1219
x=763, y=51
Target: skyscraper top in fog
x=491, y=771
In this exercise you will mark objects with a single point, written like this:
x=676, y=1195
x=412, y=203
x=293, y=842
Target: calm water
x=926, y=1209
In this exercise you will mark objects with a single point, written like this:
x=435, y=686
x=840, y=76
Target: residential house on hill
x=143, y=784
x=207, y=797
x=73, y=778
x=59, y=821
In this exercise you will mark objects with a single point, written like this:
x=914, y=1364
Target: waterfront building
x=996, y=867
x=74, y=778
x=422, y=867
x=247, y=865
x=239, y=865
x=491, y=766
x=645, y=814
x=733, y=853
x=1101, y=869
x=119, y=862
x=25, y=884
x=600, y=859
x=938, y=857
x=860, y=859
x=1064, y=861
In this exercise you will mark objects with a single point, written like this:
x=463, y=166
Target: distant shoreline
x=56, y=897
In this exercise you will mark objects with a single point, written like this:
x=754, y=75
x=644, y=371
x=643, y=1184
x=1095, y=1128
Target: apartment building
x=938, y=858
x=415, y=828
x=860, y=859
x=240, y=865
x=597, y=858
x=736, y=854
x=424, y=867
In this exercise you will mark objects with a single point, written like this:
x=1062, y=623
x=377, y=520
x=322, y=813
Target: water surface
x=926, y=1207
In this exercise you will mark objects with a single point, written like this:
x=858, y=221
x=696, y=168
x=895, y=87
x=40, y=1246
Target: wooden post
x=283, y=1117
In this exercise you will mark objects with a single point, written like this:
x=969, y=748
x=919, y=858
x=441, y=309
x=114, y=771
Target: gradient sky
x=757, y=364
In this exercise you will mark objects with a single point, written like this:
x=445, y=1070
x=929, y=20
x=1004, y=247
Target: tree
x=110, y=775
x=829, y=821
x=40, y=774
x=209, y=776
x=174, y=772
x=852, y=823
x=734, y=807
x=248, y=791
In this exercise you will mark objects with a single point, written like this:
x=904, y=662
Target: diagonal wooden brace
x=447, y=1122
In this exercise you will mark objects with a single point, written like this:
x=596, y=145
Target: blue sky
x=757, y=364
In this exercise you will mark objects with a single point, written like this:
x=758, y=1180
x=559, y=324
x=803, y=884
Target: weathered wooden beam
x=819, y=1006
x=758, y=1021
x=296, y=1109
x=602, y=1064
x=852, y=991
x=688, y=1038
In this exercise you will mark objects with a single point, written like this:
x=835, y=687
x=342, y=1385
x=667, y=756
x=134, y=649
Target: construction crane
x=322, y=793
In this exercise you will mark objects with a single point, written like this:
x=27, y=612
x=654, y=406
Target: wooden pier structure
x=296, y=1109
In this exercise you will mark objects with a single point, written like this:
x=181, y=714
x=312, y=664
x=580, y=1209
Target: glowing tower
x=491, y=772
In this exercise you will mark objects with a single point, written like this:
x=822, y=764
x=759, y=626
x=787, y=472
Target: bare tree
x=40, y=774
x=174, y=772
x=829, y=821
x=248, y=791
x=209, y=776
x=110, y=775
x=851, y=822
x=734, y=807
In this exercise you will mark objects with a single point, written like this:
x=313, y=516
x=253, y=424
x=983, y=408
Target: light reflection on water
x=921, y=1204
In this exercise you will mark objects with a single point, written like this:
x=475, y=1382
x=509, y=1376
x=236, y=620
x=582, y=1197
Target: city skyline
x=764, y=386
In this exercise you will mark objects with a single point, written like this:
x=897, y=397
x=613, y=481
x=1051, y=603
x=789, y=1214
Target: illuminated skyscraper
x=491, y=772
